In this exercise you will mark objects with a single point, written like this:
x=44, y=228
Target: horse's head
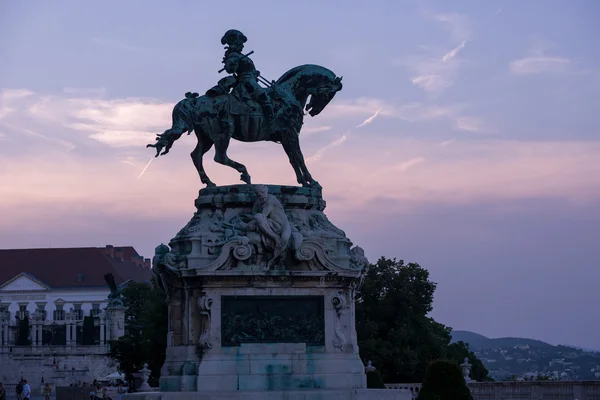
x=322, y=94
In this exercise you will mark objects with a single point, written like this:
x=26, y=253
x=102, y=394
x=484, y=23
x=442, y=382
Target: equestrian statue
x=239, y=107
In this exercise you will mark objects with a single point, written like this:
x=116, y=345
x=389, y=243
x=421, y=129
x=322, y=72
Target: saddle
x=243, y=107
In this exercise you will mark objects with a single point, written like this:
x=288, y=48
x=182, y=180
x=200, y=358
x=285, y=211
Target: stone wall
x=567, y=390
x=77, y=363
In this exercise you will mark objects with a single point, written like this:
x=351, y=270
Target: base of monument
x=267, y=367
x=313, y=394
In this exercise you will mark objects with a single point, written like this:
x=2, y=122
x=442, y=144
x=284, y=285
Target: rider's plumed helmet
x=233, y=36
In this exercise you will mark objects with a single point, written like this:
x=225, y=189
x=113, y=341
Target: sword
x=243, y=56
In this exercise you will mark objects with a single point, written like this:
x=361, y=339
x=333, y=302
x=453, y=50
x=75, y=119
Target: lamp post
x=21, y=373
x=42, y=375
x=54, y=358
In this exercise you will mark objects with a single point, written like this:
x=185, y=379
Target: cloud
x=435, y=74
x=338, y=142
x=410, y=112
x=368, y=120
x=127, y=122
x=432, y=82
x=317, y=129
x=106, y=179
x=319, y=154
x=446, y=143
x=8, y=98
x=406, y=165
x=539, y=65
x=469, y=124
x=537, y=62
x=105, y=176
x=452, y=53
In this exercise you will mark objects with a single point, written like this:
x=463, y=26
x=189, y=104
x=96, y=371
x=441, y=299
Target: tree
x=145, y=338
x=458, y=351
x=393, y=328
x=444, y=381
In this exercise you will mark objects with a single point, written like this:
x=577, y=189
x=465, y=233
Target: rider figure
x=243, y=69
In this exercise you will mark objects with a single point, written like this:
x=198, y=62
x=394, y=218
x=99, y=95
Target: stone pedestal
x=116, y=320
x=251, y=312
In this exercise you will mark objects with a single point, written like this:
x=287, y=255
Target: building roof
x=75, y=267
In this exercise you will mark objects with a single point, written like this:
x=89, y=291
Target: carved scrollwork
x=313, y=251
x=306, y=251
x=242, y=252
x=205, y=304
x=339, y=302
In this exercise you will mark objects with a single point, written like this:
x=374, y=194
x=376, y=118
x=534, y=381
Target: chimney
x=147, y=263
x=140, y=261
x=119, y=253
x=109, y=251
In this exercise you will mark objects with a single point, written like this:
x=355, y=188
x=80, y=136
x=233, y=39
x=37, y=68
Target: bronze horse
x=218, y=118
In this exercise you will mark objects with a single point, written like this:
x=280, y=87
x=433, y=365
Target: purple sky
x=465, y=139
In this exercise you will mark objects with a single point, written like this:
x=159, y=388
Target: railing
x=522, y=390
x=413, y=387
x=49, y=351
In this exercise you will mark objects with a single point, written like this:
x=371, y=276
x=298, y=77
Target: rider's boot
x=265, y=102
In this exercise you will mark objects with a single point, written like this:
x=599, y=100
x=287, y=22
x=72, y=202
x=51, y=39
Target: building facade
x=54, y=322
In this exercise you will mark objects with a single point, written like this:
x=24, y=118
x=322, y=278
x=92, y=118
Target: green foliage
x=444, y=381
x=392, y=324
x=393, y=328
x=145, y=338
x=374, y=380
x=24, y=330
x=457, y=352
x=88, y=331
x=539, y=377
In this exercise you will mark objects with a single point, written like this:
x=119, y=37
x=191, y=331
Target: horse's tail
x=183, y=116
x=182, y=121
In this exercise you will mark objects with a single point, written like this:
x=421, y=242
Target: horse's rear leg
x=204, y=144
x=221, y=145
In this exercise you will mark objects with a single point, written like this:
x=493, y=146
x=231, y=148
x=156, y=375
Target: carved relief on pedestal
x=204, y=305
x=176, y=308
x=246, y=227
x=339, y=305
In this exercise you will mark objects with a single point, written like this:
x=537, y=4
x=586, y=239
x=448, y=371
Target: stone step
x=324, y=394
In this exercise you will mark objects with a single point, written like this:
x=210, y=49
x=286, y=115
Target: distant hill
x=479, y=342
x=521, y=357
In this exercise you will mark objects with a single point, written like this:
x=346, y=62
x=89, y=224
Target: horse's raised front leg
x=221, y=145
x=204, y=144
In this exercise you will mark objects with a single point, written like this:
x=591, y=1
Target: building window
x=22, y=313
x=59, y=313
x=42, y=308
x=77, y=312
x=95, y=309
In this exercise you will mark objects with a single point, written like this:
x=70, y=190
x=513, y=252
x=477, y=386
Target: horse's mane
x=296, y=70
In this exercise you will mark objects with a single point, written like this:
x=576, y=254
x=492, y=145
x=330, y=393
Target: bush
x=444, y=381
x=374, y=380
